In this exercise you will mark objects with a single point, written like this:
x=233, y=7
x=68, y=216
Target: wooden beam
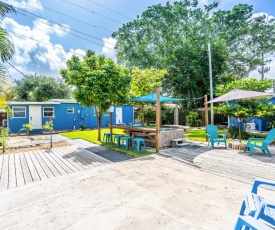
x=158, y=120
x=206, y=113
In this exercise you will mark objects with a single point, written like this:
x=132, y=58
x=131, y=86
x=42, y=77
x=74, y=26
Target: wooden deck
x=23, y=168
x=228, y=163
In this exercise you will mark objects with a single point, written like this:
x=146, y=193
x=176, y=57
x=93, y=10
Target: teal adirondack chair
x=261, y=143
x=213, y=135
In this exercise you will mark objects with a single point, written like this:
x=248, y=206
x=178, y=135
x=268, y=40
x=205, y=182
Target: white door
x=119, y=115
x=35, y=116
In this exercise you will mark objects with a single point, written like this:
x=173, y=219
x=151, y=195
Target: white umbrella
x=237, y=94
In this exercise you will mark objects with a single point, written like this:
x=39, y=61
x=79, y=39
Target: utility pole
x=211, y=82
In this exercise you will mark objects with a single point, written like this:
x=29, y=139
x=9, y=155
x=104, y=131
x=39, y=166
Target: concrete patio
x=193, y=187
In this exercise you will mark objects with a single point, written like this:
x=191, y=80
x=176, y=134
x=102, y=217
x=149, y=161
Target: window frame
x=46, y=107
x=19, y=107
x=70, y=107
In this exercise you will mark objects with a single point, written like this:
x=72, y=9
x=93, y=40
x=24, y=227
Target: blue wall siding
x=66, y=121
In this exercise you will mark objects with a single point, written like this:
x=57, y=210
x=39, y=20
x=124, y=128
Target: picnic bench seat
x=179, y=142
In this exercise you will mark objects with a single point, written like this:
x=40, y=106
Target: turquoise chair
x=213, y=135
x=250, y=223
x=258, y=207
x=261, y=143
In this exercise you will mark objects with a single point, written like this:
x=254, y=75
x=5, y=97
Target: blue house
x=261, y=124
x=67, y=114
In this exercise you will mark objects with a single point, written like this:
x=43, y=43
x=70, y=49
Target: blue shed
x=67, y=114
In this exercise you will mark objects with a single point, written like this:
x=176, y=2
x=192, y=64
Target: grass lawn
x=198, y=134
x=91, y=135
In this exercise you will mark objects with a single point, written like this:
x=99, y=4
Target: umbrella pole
x=238, y=121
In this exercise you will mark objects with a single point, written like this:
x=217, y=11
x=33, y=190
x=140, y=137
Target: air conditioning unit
x=250, y=126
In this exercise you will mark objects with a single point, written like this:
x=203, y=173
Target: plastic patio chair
x=261, y=143
x=259, y=207
x=213, y=135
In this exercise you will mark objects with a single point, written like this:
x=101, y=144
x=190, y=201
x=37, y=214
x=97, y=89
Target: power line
x=110, y=9
x=16, y=69
x=64, y=27
x=65, y=15
x=81, y=7
x=45, y=43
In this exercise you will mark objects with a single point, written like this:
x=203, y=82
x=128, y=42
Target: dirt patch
x=31, y=148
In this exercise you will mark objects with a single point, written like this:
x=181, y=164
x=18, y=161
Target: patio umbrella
x=236, y=95
x=152, y=98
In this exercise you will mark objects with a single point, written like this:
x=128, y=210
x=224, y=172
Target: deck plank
x=53, y=162
x=5, y=173
x=70, y=157
x=43, y=165
x=64, y=160
x=38, y=167
x=18, y=169
x=53, y=169
x=60, y=162
x=12, y=173
x=33, y=171
x=1, y=165
x=25, y=169
x=79, y=156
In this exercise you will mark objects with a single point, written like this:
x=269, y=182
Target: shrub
x=233, y=132
x=27, y=127
x=193, y=120
x=4, y=135
x=82, y=127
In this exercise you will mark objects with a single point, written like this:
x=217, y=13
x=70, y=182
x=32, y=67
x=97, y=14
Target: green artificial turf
x=91, y=135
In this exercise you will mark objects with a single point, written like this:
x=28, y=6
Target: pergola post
x=158, y=120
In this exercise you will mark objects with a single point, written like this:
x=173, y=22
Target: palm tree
x=6, y=45
x=6, y=52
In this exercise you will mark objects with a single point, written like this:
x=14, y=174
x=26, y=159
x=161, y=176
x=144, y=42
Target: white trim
x=48, y=108
x=71, y=107
x=32, y=103
x=19, y=107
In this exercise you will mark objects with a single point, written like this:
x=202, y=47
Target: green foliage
x=40, y=88
x=167, y=115
x=98, y=81
x=6, y=94
x=260, y=108
x=193, y=120
x=233, y=132
x=149, y=114
x=174, y=37
x=48, y=125
x=145, y=82
x=27, y=127
x=271, y=123
x=82, y=127
x=4, y=135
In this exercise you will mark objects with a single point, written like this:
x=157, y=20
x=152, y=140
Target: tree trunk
x=51, y=138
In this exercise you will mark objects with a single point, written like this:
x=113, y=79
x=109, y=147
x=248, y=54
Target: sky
x=42, y=30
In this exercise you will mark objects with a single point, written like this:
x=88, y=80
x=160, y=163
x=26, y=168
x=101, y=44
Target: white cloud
x=259, y=14
x=39, y=51
x=108, y=49
x=31, y=5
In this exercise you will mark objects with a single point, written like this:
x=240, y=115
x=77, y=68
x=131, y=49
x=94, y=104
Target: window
x=70, y=109
x=48, y=112
x=19, y=112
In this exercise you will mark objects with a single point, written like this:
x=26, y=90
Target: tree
x=173, y=37
x=98, y=82
x=145, y=82
x=260, y=108
x=247, y=37
x=6, y=52
x=6, y=45
x=40, y=88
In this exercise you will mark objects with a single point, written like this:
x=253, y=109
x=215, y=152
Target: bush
x=167, y=115
x=149, y=114
x=82, y=127
x=27, y=127
x=233, y=132
x=193, y=120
